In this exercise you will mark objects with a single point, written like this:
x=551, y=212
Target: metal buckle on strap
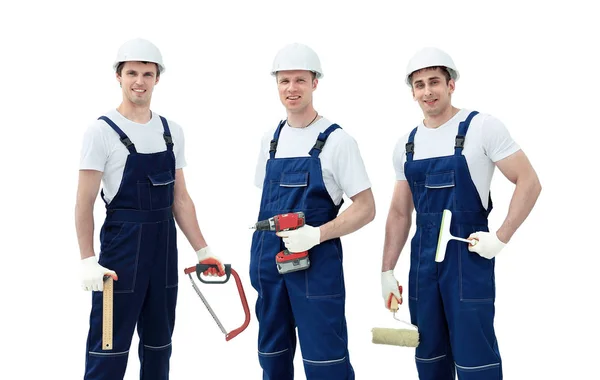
x=410, y=147
x=319, y=144
x=168, y=139
x=460, y=142
x=126, y=142
x=273, y=146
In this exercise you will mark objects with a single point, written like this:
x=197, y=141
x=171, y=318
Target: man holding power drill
x=305, y=165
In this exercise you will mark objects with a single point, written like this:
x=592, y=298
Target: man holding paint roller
x=446, y=163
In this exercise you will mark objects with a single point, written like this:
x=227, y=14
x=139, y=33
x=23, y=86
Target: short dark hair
x=312, y=74
x=442, y=68
x=121, y=64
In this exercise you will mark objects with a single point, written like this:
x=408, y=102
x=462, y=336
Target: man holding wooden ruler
x=138, y=156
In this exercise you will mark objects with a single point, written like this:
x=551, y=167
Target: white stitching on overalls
x=325, y=361
x=272, y=353
x=477, y=367
x=107, y=353
x=430, y=359
x=260, y=253
x=157, y=348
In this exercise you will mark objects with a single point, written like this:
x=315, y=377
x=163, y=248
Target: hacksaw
x=200, y=268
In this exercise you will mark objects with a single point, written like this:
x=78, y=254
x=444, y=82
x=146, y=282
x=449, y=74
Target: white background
x=532, y=65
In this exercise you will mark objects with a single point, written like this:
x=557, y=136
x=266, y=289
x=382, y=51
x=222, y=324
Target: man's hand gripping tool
x=286, y=261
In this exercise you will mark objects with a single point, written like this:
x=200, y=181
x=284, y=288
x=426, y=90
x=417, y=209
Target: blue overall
x=451, y=302
x=312, y=300
x=138, y=242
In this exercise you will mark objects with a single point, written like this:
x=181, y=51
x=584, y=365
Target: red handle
x=286, y=255
x=400, y=290
x=233, y=333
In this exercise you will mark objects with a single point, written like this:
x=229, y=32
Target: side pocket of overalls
x=172, y=274
x=109, y=234
x=477, y=280
x=324, y=278
x=413, y=274
x=120, y=253
x=255, y=255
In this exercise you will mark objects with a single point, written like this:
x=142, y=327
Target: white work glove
x=302, y=239
x=488, y=245
x=92, y=274
x=390, y=288
x=205, y=256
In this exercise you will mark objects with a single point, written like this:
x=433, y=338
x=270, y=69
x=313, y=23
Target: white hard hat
x=297, y=57
x=430, y=57
x=139, y=50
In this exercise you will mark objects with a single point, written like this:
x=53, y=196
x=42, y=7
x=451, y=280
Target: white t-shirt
x=487, y=141
x=102, y=149
x=343, y=168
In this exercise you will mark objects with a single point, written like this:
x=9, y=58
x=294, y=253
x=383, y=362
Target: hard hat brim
x=454, y=74
x=161, y=68
x=318, y=74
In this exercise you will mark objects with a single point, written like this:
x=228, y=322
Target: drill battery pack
x=291, y=262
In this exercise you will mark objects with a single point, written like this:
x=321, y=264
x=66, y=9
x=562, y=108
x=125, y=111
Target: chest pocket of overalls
x=292, y=190
x=439, y=191
x=156, y=192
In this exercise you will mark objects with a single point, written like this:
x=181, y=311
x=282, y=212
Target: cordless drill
x=286, y=260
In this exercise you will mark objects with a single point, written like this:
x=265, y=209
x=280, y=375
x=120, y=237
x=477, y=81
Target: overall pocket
x=255, y=256
x=439, y=189
x=477, y=279
x=325, y=278
x=109, y=234
x=172, y=274
x=156, y=192
x=292, y=190
x=121, y=254
x=413, y=273
x=263, y=269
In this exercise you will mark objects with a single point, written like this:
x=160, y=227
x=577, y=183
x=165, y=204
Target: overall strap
x=167, y=134
x=410, y=145
x=463, y=127
x=320, y=143
x=123, y=137
x=273, y=146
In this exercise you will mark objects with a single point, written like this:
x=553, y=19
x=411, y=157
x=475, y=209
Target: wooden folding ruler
x=107, y=314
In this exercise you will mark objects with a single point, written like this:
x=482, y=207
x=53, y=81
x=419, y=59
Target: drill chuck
x=264, y=225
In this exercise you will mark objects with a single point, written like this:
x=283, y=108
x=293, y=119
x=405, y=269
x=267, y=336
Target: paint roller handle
x=470, y=241
x=394, y=302
x=394, y=305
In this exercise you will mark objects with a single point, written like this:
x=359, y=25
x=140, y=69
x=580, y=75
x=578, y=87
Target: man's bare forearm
x=84, y=226
x=87, y=191
x=185, y=216
x=526, y=193
x=360, y=213
x=397, y=228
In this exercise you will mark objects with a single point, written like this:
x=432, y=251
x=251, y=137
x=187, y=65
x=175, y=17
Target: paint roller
x=396, y=337
x=410, y=337
x=445, y=236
